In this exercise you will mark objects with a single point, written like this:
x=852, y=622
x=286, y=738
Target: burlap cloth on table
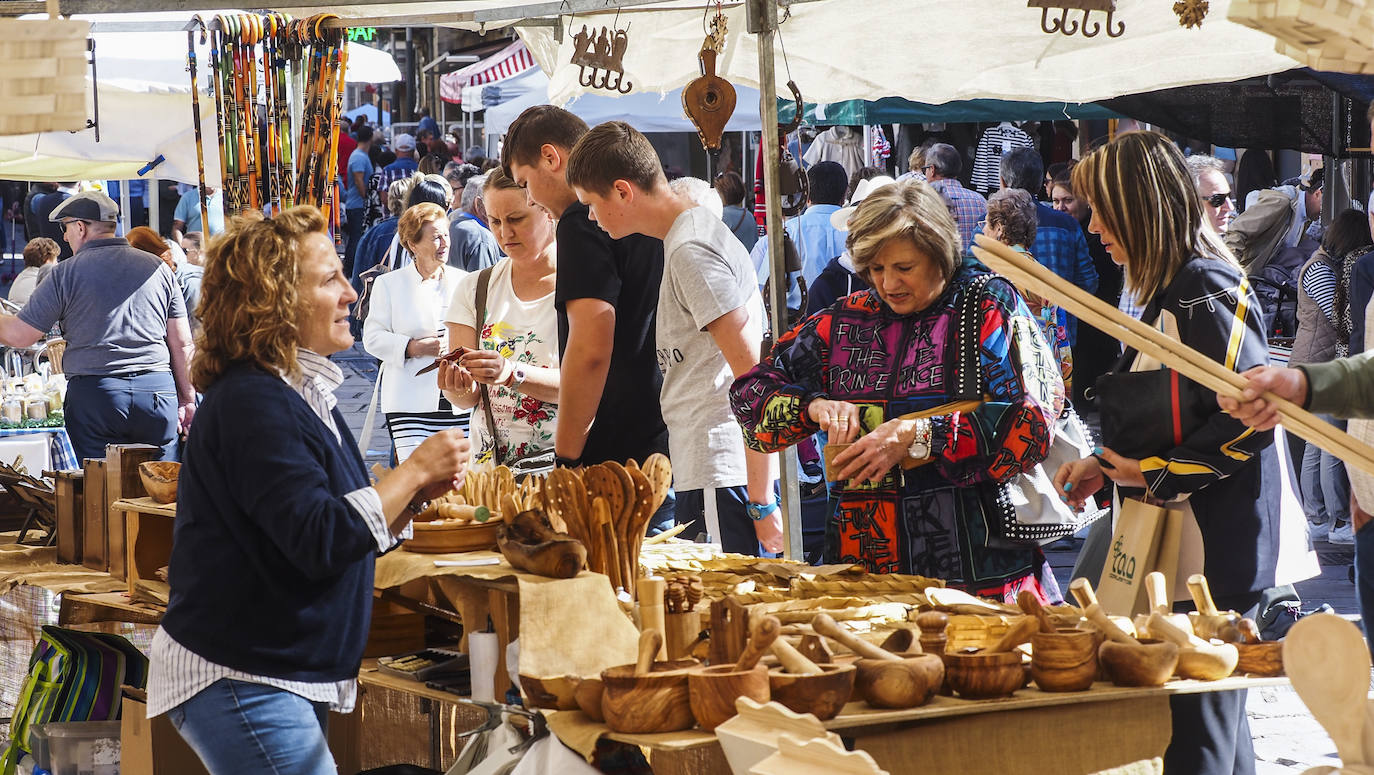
x=567, y=626
x=37, y=566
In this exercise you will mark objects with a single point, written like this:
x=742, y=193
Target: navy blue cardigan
x=271, y=569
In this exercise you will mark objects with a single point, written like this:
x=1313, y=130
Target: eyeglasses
x=1218, y=199
x=67, y=223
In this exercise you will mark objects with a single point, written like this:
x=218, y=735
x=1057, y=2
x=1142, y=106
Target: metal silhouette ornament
x=1089, y=27
x=709, y=100
x=599, y=59
x=1191, y=12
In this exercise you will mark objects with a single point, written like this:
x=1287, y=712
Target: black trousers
x=1211, y=733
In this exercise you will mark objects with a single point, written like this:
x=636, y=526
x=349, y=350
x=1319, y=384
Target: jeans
x=140, y=409
x=727, y=521
x=241, y=728
x=1364, y=579
x=353, y=230
x=1325, y=485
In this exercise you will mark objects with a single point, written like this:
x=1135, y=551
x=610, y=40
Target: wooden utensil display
x=1129, y=662
x=1328, y=663
x=1027, y=273
x=647, y=697
x=823, y=694
x=529, y=543
x=714, y=689
x=1065, y=660
x=1197, y=658
x=885, y=679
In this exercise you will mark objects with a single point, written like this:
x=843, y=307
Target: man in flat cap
x=128, y=340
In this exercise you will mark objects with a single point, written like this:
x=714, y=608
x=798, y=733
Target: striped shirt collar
x=318, y=380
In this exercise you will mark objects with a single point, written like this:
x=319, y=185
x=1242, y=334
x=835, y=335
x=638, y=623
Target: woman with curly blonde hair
x=277, y=527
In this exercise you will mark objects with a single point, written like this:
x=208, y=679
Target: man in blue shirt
x=355, y=195
x=1059, y=242
x=186, y=219
x=427, y=122
x=816, y=239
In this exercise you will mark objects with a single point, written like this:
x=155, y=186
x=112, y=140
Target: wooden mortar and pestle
x=648, y=696
x=996, y=671
x=1207, y=621
x=1128, y=662
x=1082, y=590
x=802, y=686
x=1257, y=656
x=1062, y=659
x=1197, y=658
x=713, y=690
x=885, y=679
x=1157, y=592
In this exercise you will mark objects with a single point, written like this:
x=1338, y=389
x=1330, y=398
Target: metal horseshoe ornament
x=708, y=100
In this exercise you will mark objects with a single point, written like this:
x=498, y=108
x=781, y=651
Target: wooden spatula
x=1328, y=662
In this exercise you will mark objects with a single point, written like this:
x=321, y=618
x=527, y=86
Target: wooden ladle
x=1029, y=603
x=765, y=632
x=1197, y=658
x=1328, y=662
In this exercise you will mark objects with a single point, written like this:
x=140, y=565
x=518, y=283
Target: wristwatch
x=760, y=511
x=920, y=445
x=517, y=376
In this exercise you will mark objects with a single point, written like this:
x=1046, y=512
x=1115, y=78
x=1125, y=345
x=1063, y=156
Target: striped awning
x=506, y=63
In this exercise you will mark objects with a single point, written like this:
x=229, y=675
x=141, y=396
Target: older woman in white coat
x=405, y=330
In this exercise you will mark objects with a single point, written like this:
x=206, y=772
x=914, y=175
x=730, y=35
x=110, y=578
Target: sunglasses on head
x=1218, y=199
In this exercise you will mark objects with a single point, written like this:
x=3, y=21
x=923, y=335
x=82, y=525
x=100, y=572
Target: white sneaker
x=1344, y=535
x=1318, y=531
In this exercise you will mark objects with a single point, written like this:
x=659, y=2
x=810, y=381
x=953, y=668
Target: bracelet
x=758, y=512
x=417, y=508
x=567, y=462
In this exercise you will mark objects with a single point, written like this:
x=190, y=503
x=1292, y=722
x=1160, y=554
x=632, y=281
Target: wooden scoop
x=792, y=660
x=1196, y=657
x=1328, y=662
x=823, y=624
x=649, y=643
x=1029, y=603
x=765, y=631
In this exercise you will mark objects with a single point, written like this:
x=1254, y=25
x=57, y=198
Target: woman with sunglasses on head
x=1182, y=450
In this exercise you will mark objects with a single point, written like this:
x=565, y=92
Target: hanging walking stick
x=195, y=117
x=281, y=54
x=340, y=58
x=272, y=171
x=216, y=77
x=252, y=29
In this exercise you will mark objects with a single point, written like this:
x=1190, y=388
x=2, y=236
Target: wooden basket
x=1333, y=35
x=438, y=538
x=43, y=88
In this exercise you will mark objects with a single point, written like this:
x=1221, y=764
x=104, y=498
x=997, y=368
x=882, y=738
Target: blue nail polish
x=1068, y=486
x=1097, y=450
x=1064, y=499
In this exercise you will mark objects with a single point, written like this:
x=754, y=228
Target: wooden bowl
x=444, y=537
x=552, y=692
x=978, y=676
x=588, y=694
x=823, y=696
x=1064, y=661
x=1207, y=663
x=713, y=691
x=1149, y=664
x=645, y=704
x=1264, y=658
x=160, y=479
x=885, y=683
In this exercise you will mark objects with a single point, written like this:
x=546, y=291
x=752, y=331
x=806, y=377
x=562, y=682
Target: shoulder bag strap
x=483, y=287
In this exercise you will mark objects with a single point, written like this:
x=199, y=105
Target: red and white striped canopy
x=506, y=63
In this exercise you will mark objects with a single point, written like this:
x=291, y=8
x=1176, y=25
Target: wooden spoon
x=823, y=624
x=1328, y=663
x=1029, y=603
x=765, y=631
x=649, y=643
x=1082, y=590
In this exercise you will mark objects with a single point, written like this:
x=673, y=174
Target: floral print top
x=525, y=332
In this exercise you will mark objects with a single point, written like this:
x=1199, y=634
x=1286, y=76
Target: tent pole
x=763, y=21
x=124, y=219
x=154, y=205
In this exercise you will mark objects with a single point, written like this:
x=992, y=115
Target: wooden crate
x=148, y=545
x=122, y=482
x=44, y=83
x=1334, y=35
x=70, y=487
x=95, y=539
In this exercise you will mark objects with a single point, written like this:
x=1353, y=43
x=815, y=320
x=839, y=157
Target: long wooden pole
x=1029, y=274
x=764, y=22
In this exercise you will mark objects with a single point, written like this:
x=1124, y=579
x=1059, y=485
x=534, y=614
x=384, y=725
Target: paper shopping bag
x=1132, y=554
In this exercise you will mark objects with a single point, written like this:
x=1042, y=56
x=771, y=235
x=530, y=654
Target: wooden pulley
x=708, y=100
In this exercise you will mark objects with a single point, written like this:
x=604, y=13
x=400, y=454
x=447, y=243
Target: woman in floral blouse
x=516, y=356
x=855, y=368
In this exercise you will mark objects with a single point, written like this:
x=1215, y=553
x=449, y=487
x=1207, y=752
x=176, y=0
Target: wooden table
x=1033, y=731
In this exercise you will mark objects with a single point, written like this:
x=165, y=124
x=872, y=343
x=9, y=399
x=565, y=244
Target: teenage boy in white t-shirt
x=710, y=325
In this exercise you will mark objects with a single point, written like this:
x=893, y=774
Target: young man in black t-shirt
x=606, y=294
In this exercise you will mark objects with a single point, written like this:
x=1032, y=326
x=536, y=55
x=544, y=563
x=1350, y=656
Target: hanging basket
x=43, y=79
x=1332, y=35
